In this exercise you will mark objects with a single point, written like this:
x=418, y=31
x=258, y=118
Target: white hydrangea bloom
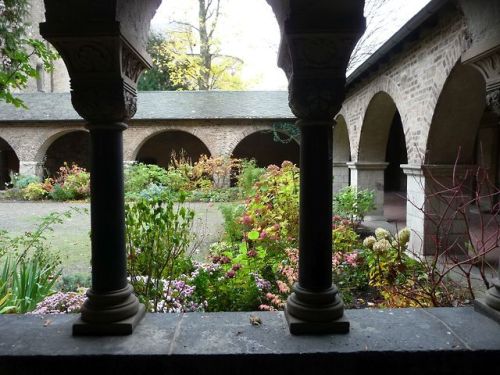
x=369, y=241
x=381, y=233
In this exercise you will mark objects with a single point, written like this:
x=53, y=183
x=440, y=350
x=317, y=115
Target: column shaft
x=315, y=236
x=107, y=210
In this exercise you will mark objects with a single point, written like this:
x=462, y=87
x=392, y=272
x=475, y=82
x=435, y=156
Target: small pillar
x=317, y=40
x=370, y=176
x=340, y=172
x=485, y=57
x=105, y=57
x=32, y=168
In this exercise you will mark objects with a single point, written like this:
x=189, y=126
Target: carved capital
x=318, y=38
x=104, y=56
x=493, y=100
x=489, y=66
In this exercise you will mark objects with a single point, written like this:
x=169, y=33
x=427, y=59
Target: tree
x=369, y=42
x=189, y=57
x=158, y=77
x=17, y=51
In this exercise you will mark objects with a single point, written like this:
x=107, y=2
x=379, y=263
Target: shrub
x=353, y=204
x=157, y=239
x=28, y=267
x=61, y=303
x=249, y=175
x=58, y=193
x=19, y=181
x=72, y=283
x=233, y=227
x=34, y=191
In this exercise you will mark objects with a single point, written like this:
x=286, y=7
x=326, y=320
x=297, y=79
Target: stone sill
x=410, y=341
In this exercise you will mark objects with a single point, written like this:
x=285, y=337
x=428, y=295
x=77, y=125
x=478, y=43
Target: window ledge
x=437, y=340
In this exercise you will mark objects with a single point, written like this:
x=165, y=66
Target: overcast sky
x=247, y=29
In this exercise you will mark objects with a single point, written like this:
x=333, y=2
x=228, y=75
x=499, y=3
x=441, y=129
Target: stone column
x=415, y=203
x=104, y=57
x=485, y=56
x=340, y=176
x=317, y=39
x=34, y=168
x=370, y=176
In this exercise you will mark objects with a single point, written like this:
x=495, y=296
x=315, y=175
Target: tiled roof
x=158, y=105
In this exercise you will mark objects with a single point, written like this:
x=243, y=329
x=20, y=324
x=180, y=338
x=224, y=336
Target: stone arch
x=9, y=162
x=341, y=149
x=134, y=138
x=159, y=146
x=376, y=126
x=72, y=146
x=261, y=146
x=456, y=117
x=382, y=150
x=341, y=154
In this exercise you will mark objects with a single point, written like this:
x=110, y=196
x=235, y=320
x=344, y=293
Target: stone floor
x=410, y=341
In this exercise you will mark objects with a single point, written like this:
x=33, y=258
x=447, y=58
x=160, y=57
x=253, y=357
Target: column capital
x=366, y=165
x=412, y=169
x=447, y=170
x=105, y=55
x=316, y=42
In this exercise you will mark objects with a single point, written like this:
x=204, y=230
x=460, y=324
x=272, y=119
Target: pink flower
x=251, y=253
x=283, y=288
x=265, y=307
x=230, y=274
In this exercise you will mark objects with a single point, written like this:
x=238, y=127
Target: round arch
x=262, y=146
x=457, y=117
x=341, y=155
x=9, y=162
x=341, y=150
x=71, y=147
x=376, y=127
x=159, y=148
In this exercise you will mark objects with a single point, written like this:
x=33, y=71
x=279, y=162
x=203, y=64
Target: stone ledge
x=438, y=340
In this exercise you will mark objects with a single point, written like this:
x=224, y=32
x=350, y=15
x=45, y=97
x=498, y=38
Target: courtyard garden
x=250, y=262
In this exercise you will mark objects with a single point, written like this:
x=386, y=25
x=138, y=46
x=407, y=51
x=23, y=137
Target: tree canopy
x=18, y=52
x=189, y=57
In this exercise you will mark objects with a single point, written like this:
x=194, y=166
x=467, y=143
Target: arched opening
x=341, y=154
x=70, y=148
x=456, y=118
x=463, y=154
x=266, y=149
x=9, y=163
x=160, y=148
x=396, y=155
x=382, y=151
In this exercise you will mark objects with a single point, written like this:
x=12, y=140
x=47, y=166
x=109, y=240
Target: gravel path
x=72, y=237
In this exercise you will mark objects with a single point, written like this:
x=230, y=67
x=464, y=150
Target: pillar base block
x=482, y=307
x=302, y=327
x=122, y=327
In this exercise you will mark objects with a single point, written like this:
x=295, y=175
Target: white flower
x=381, y=233
x=369, y=241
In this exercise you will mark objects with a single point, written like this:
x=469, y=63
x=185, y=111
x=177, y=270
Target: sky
x=248, y=30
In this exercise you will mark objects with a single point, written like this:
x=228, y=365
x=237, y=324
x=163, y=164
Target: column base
x=482, y=307
x=302, y=327
x=122, y=327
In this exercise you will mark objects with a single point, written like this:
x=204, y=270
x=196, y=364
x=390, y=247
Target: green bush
x=249, y=175
x=73, y=283
x=158, y=237
x=19, y=181
x=77, y=185
x=34, y=191
x=353, y=204
x=59, y=193
x=233, y=228
x=28, y=267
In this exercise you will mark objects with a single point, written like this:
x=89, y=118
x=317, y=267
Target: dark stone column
x=102, y=45
x=484, y=55
x=317, y=40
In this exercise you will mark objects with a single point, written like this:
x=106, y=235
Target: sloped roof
x=162, y=105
